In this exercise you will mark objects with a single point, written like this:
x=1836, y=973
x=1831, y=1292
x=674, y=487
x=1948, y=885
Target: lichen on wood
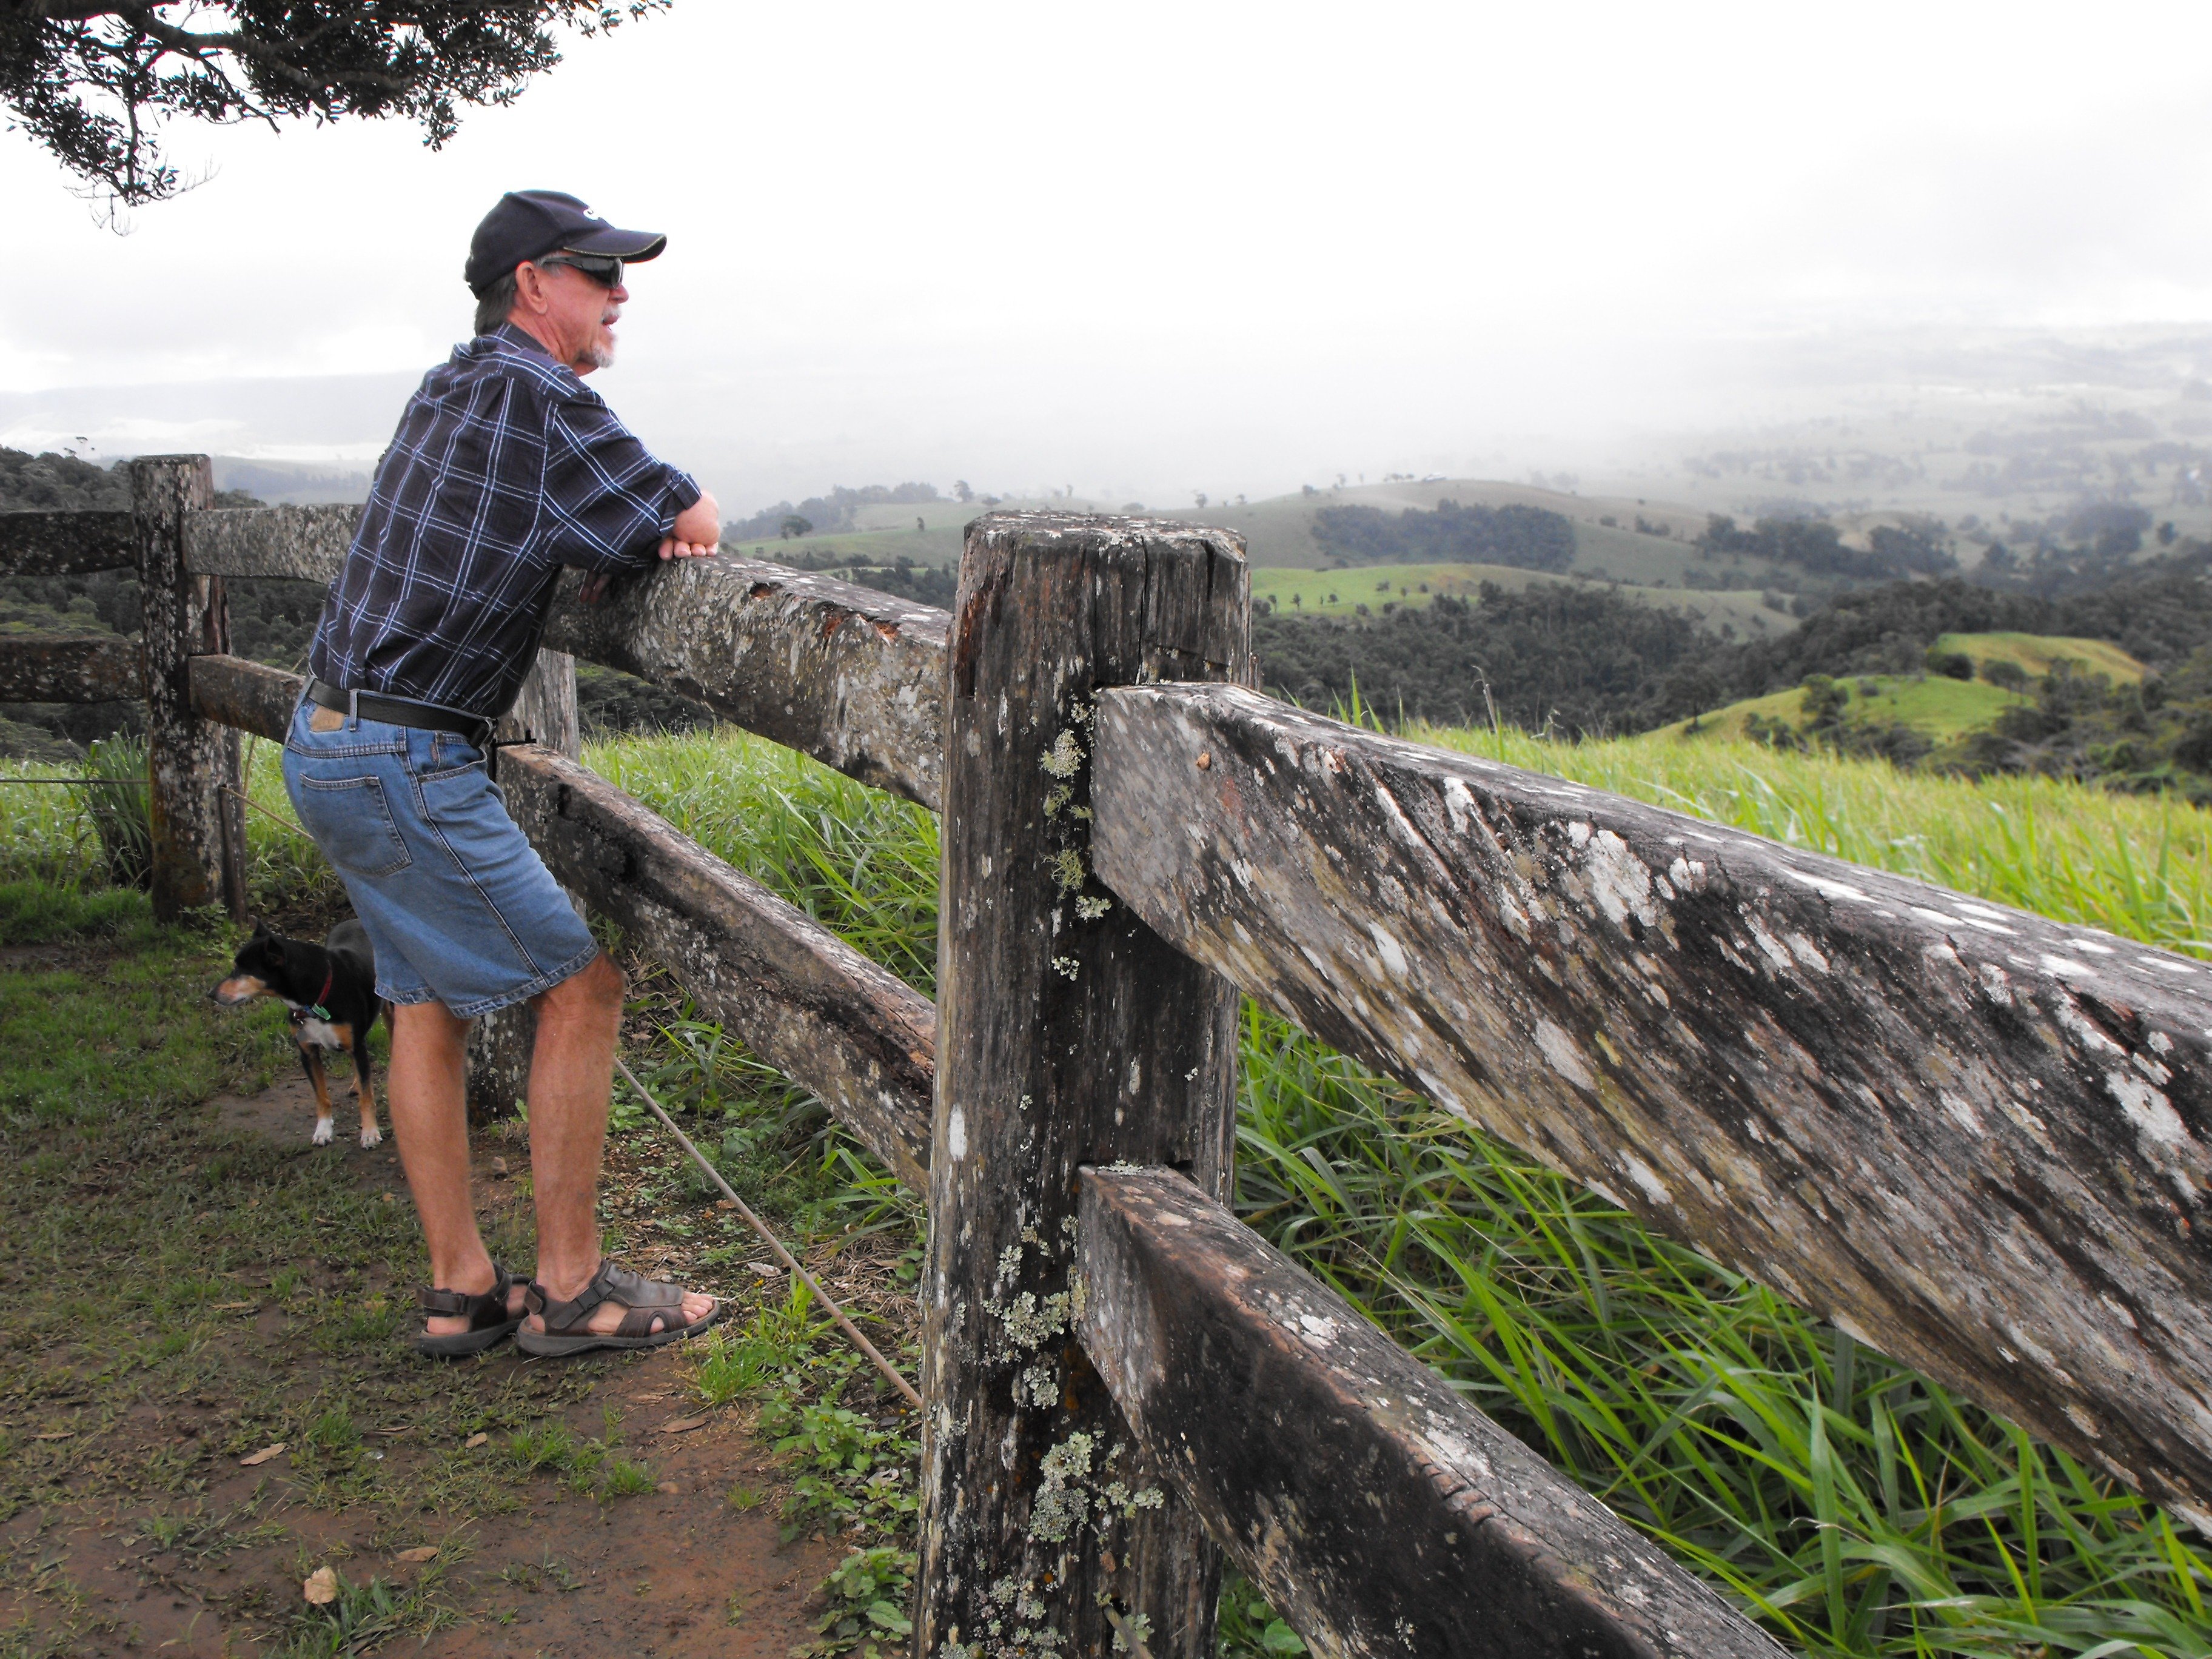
x=1381, y=1514
x=84, y=668
x=195, y=800
x=69, y=542
x=851, y=676
x=303, y=543
x=1978, y=1140
x=1070, y=1035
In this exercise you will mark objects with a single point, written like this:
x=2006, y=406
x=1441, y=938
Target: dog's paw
x=371, y=1135
x=323, y=1133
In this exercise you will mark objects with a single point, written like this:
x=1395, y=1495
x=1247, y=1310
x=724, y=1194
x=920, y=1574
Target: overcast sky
x=1144, y=249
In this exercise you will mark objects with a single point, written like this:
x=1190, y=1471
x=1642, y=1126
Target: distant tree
x=961, y=492
x=1951, y=664
x=2005, y=674
x=918, y=524
x=1202, y=498
x=793, y=524
x=95, y=84
x=2167, y=533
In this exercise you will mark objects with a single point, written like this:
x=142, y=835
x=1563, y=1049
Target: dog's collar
x=315, y=1010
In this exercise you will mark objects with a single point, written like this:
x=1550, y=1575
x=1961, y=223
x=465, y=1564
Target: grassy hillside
x=2035, y=653
x=1343, y=593
x=1940, y=708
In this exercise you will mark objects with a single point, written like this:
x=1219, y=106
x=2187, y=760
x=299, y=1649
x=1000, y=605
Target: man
x=505, y=468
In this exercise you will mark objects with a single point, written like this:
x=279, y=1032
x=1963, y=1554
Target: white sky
x=1148, y=248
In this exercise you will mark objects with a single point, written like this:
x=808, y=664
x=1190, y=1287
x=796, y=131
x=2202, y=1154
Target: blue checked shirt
x=506, y=467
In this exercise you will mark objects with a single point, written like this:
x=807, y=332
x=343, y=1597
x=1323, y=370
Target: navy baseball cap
x=529, y=224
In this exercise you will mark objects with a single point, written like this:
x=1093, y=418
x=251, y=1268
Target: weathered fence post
x=544, y=713
x=1069, y=1033
x=195, y=791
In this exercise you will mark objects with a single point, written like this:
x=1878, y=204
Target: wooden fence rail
x=1979, y=1141
x=1975, y=1139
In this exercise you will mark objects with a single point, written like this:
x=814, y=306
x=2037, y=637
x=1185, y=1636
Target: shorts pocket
x=351, y=822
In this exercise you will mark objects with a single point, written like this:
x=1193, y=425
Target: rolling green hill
x=1941, y=709
x=1649, y=565
x=1365, y=589
x=2035, y=653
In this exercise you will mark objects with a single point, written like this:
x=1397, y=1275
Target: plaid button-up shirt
x=505, y=468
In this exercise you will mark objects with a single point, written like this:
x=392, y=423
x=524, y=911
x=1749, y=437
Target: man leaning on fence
x=506, y=468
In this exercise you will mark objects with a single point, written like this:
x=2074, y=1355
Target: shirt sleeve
x=608, y=502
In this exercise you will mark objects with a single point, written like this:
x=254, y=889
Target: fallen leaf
x=499, y=1166
x=476, y=1440
x=58, y=1434
x=392, y=1198
x=322, y=1586
x=233, y=1307
x=420, y=1552
x=682, y=1424
x=668, y=1486
x=726, y=1204
x=263, y=1457
x=766, y=1269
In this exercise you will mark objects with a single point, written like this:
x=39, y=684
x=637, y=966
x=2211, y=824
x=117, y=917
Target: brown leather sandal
x=486, y=1312
x=646, y=1300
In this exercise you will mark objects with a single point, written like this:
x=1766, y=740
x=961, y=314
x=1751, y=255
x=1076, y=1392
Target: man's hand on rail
x=696, y=533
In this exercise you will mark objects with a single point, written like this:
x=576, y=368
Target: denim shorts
x=458, y=903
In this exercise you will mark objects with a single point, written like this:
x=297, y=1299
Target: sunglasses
x=607, y=273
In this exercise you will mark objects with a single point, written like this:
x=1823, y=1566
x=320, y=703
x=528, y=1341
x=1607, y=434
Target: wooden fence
x=1975, y=1139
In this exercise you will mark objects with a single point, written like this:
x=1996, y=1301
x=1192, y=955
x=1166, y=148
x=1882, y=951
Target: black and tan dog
x=329, y=991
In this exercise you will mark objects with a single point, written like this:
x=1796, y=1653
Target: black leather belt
x=401, y=711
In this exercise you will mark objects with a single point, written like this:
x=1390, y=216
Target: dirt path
x=137, y=1528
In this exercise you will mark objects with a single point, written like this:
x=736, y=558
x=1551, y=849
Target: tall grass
x=94, y=832
x=2136, y=865
x=1850, y=1505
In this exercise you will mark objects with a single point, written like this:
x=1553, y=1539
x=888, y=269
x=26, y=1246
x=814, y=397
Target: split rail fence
x=1978, y=1141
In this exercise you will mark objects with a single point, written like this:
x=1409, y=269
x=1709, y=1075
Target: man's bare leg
x=571, y=1074
x=427, y=1094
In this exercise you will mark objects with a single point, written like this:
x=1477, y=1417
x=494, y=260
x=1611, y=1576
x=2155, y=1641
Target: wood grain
x=67, y=543
x=197, y=803
x=1071, y=1034
x=1975, y=1139
x=1381, y=1514
x=88, y=668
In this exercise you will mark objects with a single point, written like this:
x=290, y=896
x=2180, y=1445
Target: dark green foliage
x=1582, y=660
x=1530, y=538
x=59, y=483
x=1816, y=547
x=1951, y=664
x=94, y=83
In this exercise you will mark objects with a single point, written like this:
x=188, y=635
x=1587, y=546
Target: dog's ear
x=260, y=929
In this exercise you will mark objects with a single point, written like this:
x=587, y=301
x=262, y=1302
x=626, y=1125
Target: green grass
x=1854, y=1507
x=1851, y=1506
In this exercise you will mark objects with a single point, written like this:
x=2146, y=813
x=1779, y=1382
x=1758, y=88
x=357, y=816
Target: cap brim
x=635, y=246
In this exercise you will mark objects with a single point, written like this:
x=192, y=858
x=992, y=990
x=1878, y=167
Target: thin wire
x=282, y=823
x=773, y=1242
x=85, y=783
